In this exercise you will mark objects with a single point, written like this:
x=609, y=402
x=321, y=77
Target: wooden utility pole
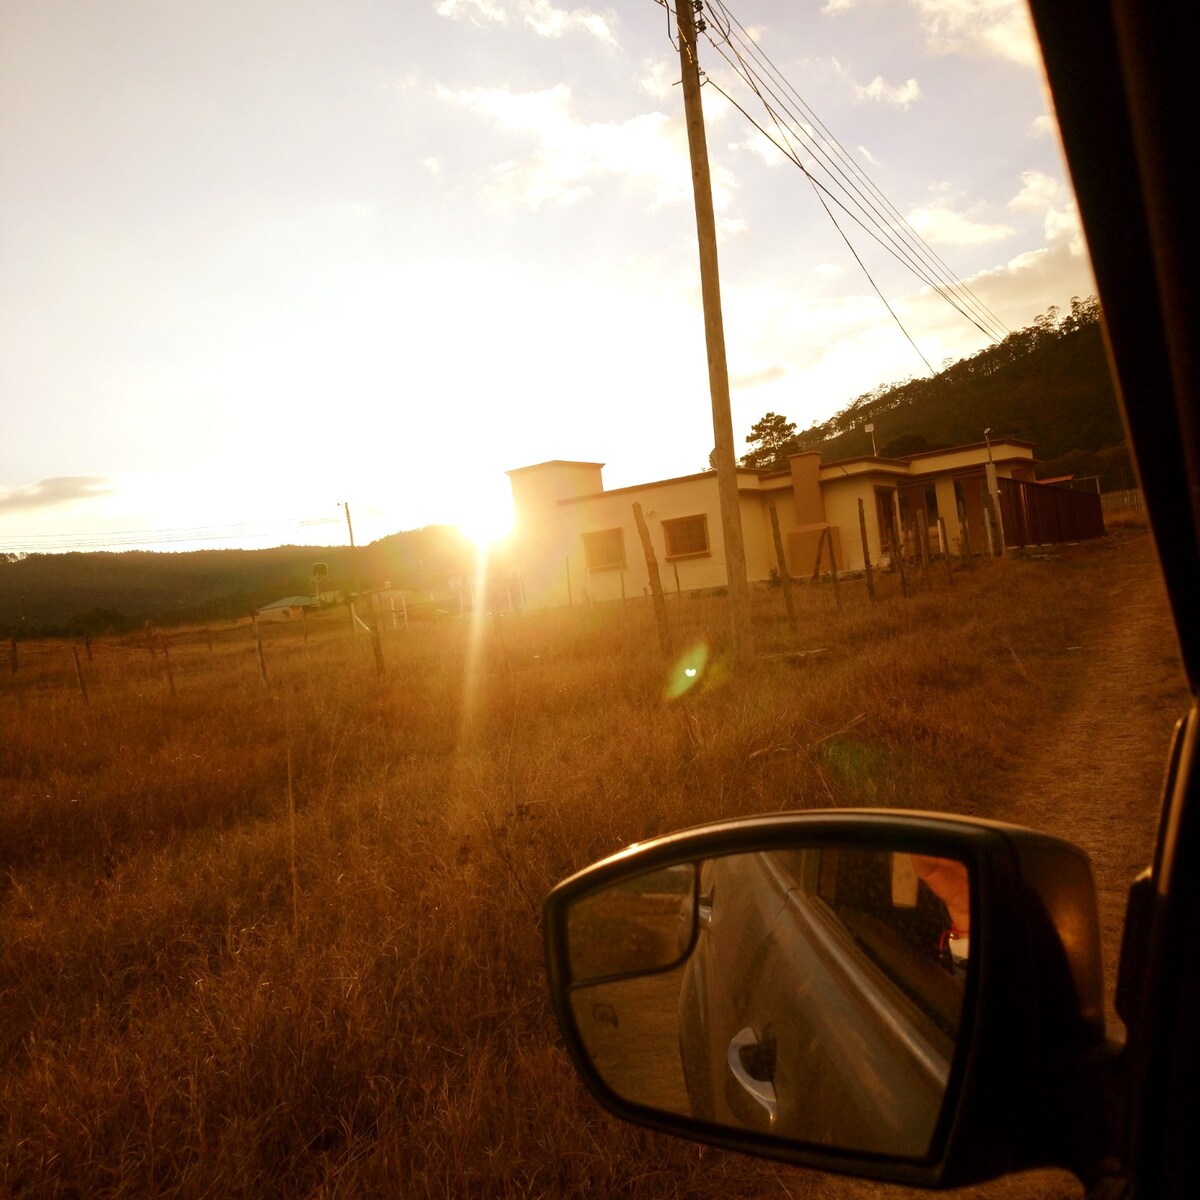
x=714, y=336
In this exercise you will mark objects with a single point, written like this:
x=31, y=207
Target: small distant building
x=290, y=608
x=574, y=540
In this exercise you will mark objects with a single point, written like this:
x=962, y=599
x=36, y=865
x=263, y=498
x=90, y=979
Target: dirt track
x=1093, y=776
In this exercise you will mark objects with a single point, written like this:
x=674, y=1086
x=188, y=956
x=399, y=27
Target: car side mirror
x=898, y=995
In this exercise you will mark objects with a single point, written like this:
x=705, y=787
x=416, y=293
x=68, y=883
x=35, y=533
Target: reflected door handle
x=748, y=1087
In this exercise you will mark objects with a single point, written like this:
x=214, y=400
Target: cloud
x=939, y=224
x=477, y=12
x=1043, y=126
x=762, y=147
x=541, y=16
x=1040, y=193
x=984, y=28
x=660, y=79
x=647, y=153
x=865, y=153
x=53, y=493
x=433, y=166
x=899, y=96
x=757, y=378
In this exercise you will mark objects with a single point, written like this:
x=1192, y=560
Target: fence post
x=867, y=568
x=785, y=576
x=833, y=571
x=167, y=664
x=944, y=538
x=898, y=549
x=656, y=591
x=968, y=557
x=79, y=675
x=258, y=646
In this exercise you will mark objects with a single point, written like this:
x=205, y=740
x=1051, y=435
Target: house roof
x=553, y=462
x=289, y=602
x=641, y=487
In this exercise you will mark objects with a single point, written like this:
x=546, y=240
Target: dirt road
x=1092, y=775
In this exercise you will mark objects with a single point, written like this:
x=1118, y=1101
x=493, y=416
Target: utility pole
x=353, y=552
x=714, y=336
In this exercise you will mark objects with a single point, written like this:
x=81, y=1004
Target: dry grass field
x=282, y=938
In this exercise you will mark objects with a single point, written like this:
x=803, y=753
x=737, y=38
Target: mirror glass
x=810, y=993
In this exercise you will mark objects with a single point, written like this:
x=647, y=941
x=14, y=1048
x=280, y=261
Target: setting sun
x=484, y=513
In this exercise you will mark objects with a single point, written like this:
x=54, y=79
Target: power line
x=892, y=233
x=831, y=149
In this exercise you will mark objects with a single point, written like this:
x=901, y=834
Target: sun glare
x=486, y=518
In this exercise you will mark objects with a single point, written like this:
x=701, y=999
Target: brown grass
x=284, y=940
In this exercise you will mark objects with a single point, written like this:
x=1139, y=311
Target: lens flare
x=687, y=671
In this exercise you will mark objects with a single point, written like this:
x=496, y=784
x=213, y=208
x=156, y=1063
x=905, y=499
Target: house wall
x=660, y=502
x=557, y=503
x=538, y=533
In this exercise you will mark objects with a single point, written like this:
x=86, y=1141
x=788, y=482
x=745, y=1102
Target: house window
x=686, y=537
x=604, y=549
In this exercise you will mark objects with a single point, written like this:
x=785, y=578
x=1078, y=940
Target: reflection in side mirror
x=640, y=925
x=812, y=993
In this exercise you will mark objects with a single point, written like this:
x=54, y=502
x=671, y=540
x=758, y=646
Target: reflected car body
x=859, y=1054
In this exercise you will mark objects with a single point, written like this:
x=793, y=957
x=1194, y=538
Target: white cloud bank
x=646, y=153
x=541, y=16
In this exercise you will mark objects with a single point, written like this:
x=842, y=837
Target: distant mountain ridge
x=95, y=592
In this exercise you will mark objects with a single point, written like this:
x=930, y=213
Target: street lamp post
x=870, y=428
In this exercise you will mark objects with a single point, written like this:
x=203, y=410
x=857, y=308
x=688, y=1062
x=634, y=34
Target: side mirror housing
x=906, y=996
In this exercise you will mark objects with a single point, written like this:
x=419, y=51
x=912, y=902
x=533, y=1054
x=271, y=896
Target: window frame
x=591, y=538
x=674, y=522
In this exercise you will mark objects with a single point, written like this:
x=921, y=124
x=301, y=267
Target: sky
x=263, y=258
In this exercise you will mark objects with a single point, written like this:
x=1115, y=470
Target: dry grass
x=200, y=998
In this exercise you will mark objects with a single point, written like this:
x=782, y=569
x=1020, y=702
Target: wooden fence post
x=944, y=538
x=833, y=571
x=867, y=568
x=656, y=591
x=785, y=576
x=898, y=550
x=79, y=675
x=258, y=646
x=966, y=536
x=170, y=673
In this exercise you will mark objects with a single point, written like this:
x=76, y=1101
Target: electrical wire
x=846, y=185
x=896, y=222
x=827, y=147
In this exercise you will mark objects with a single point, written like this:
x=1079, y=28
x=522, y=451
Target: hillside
x=98, y=592
x=1048, y=383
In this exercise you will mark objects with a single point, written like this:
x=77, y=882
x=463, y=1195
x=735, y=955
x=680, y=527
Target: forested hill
x=100, y=592
x=1048, y=383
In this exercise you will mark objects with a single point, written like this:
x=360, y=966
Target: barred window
x=686, y=537
x=604, y=549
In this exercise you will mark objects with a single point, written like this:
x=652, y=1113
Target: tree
x=771, y=439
